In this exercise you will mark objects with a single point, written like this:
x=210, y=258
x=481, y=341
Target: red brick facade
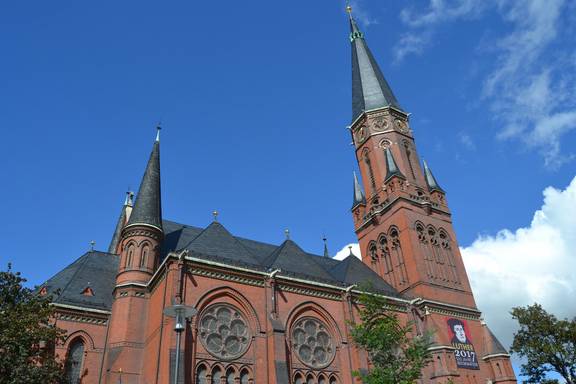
x=259, y=326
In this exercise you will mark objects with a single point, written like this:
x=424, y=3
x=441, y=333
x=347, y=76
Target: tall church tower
x=402, y=219
x=139, y=250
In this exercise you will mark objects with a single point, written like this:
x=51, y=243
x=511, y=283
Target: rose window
x=312, y=343
x=224, y=332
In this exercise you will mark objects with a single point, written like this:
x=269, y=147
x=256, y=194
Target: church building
x=269, y=313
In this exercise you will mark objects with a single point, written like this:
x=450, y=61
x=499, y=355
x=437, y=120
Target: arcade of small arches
x=436, y=248
x=386, y=254
x=312, y=378
x=135, y=259
x=220, y=374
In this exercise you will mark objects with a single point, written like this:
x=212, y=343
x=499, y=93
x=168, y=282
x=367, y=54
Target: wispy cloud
x=531, y=87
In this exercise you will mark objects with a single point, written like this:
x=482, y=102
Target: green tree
x=398, y=356
x=26, y=334
x=547, y=344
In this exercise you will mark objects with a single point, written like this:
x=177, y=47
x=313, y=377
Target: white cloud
x=531, y=87
x=527, y=265
x=531, y=264
x=345, y=251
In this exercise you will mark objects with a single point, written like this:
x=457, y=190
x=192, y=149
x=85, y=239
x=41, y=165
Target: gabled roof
x=94, y=269
x=216, y=240
x=353, y=271
x=98, y=269
x=290, y=257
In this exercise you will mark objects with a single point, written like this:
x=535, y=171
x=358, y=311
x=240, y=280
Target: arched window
x=310, y=379
x=230, y=376
x=499, y=369
x=298, y=379
x=130, y=256
x=370, y=173
x=322, y=380
x=244, y=376
x=144, y=256
x=333, y=380
x=409, y=157
x=397, y=255
x=216, y=375
x=201, y=373
x=74, y=360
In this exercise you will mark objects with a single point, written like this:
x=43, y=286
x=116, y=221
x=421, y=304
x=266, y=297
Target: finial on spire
x=92, y=244
x=129, y=198
x=351, y=253
x=215, y=214
x=349, y=9
x=324, y=239
x=287, y=233
x=158, y=128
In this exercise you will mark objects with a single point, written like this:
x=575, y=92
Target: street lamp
x=181, y=312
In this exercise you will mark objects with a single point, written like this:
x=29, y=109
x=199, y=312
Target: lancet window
x=74, y=361
x=438, y=255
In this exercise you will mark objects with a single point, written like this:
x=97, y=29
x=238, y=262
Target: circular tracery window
x=224, y=332
x=312, y=342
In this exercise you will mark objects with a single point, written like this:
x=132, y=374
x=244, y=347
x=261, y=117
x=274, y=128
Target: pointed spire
x=326, y=254
x=431, y=180
x=391, y=167
x=359, y=197
x=148, y=207
x=124, y=216
x=370, y=90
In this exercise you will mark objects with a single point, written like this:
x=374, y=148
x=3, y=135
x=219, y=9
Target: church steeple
x=124, y=216
x=148, y=207
x=370, y=90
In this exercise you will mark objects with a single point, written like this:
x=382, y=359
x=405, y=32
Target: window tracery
x=438, y=254
x=396, y=250
x=312, y=343
x=224, y=332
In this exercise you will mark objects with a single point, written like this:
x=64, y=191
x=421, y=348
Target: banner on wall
x=462, y=342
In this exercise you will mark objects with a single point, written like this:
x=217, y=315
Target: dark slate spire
x=370, y=90
x=148, y=208
x=391, y=167
x=359, y=197
x=326, y=254
x=124, y=215
x=431, y=180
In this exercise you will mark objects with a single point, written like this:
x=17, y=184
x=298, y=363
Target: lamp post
x=181, y=313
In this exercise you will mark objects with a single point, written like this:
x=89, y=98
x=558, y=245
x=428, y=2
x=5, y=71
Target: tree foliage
x=398, y=356
x=26, y=334
x=547, y=344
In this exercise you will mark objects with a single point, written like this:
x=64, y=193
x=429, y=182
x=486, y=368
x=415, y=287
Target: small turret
x=431, y=180
x=124, y=216
x=391, y=167
x=358, y=197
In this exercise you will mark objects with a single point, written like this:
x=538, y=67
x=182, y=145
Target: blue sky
x=254, y=98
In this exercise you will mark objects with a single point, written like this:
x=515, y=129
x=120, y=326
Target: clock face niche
x=224, y=332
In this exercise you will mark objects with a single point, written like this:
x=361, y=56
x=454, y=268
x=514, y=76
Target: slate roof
x=94, y=269
x=148, y=206
x=370, y=90
x=214, y=243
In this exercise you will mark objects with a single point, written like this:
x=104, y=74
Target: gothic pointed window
x=310, y=379
x=244, y=377
x=74, y=360
x=397, y=255
x=129, y=256
x=201, y=373
x=230, y=376
x=409, y=157
x=370, y=172
x=298, y=379
x=216, y=375
x=425, y=250
x=144, y=256
x=445, y=245
x=383, y=245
